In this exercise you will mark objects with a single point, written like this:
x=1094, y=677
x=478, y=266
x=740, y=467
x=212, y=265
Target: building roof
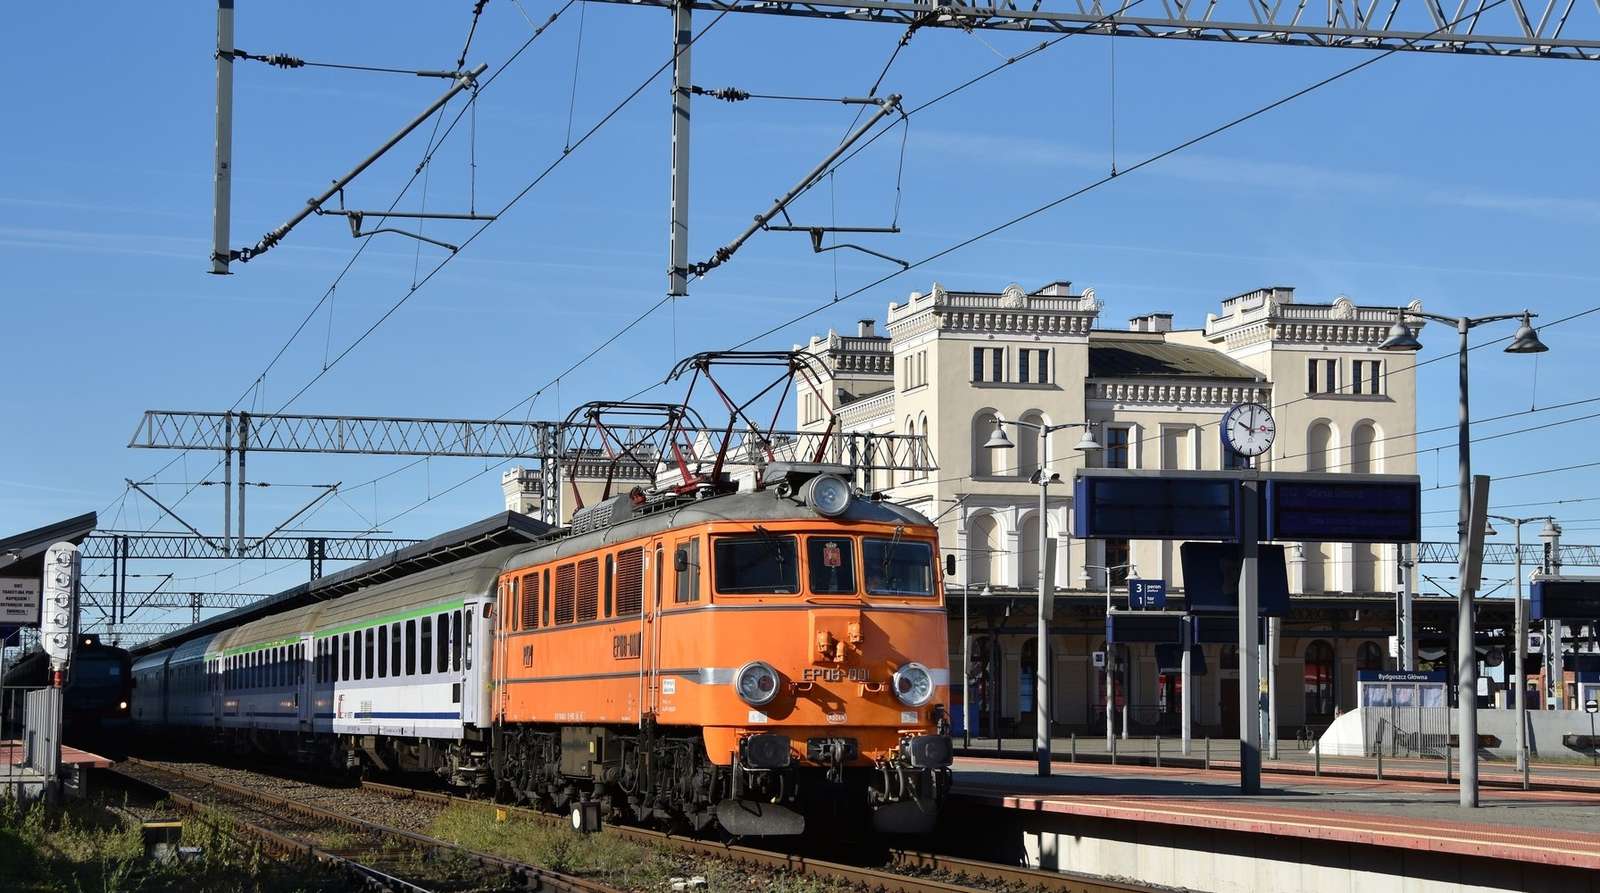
x=1129, y=357
x=493, y=532
x=22, y=555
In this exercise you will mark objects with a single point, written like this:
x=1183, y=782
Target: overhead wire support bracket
x=816, y=239
x=357, y=217
x=885, y=108
x=315, y=204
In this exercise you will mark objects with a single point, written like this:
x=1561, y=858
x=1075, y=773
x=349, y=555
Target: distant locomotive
x=95, y=696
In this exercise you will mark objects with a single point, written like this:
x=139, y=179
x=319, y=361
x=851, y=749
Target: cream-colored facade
x=950, y=362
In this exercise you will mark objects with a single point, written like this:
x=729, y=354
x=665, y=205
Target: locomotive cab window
x=686, y=559
x=759, y=565
x=897, y=567
x=831, y=564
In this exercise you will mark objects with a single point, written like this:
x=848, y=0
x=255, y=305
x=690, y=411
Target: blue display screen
x=1153, y=508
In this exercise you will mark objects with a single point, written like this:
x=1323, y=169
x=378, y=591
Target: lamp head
x=1526, y=340
x=1401, y=338
x=998, y=439
x=1087, y=443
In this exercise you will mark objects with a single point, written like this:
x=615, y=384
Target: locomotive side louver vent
x=605, y=513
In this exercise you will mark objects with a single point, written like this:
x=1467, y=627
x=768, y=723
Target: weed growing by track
x=83, y=848
x=612, y=861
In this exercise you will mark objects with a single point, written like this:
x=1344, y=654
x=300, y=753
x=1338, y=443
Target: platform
x=11, y=754
x=1192, y=828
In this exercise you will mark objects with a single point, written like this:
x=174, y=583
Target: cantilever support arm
x=315, y=204
x=722, y=254
x=164, y=507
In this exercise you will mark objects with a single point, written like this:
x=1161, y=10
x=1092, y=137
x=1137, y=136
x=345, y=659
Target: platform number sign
x=1147, y=595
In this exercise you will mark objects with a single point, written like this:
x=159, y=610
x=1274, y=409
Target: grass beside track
x=609, y=860
x=84, y=848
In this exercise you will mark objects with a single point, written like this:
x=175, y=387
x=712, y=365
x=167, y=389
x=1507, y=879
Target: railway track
x=372, y=854
x=906, y=871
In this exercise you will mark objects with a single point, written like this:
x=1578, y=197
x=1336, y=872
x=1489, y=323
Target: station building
x=949, y=363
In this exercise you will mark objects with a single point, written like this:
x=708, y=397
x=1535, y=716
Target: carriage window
x=426, y=649
x=831, y=564
x=897, y=567
x=370, y=635
x=383, y=651
x=530, y=601
x=355, y=657
x=455, y=640
x=756, y=565
x=689, y=577
x=394, y=651
x=566, y=593
x=344, y=657
x=588, y=589
x=411, y=647
x=443, y=662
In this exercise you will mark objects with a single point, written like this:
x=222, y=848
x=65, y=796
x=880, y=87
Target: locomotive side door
x=650, y=629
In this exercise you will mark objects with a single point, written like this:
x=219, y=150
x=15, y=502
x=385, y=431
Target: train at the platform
x=742, y=658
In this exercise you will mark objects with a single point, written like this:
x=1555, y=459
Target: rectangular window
x=611, y=583
x=566, y=593
x=630, y=582
x=411, y=647
x=588, y=589
x=977, y=364
x=1117, y=553
x=689, y=577
x=344, y=657
x=831, y=564
x=383, y=651
x=426, y=645
x=1033, y=365
x=455, y=640
x=443, y=654
x=530, y=601
x=762, y=565
x=369, y=638
x=1366, y=377
x=1322, y=377
x=394, y=651
x=897, y=567
x=546, y=617
x=1115, y=453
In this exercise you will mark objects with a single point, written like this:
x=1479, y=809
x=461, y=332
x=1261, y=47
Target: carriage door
x=477, y=630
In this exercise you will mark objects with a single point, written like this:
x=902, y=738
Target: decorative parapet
x=852, y=354
x=867, y=409
x=1011, y=311
x=1148, y=393
x=1271, y=314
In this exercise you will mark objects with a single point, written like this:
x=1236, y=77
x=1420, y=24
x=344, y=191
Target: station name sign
x=1400, y=676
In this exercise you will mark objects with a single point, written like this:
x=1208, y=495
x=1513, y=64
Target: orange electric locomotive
x=748, y=658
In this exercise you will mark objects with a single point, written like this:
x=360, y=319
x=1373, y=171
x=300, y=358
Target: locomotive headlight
x=828, y=494
x=913, y=684
x=756, y=682
x=122, y=705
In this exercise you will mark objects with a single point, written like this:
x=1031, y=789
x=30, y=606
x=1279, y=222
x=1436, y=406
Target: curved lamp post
x=1041, y=690
x=1403, y=338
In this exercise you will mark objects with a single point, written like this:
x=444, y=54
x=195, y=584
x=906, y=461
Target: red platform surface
x=1545, y=827
x=11, y=753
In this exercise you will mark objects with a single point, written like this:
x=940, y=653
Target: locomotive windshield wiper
x=888, y=557
x=771, y=541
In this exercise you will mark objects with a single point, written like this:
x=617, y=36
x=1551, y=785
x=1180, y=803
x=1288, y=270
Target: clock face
x=1249, y=429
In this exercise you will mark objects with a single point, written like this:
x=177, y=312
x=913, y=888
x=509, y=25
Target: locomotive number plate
x=833, y=674
x=626, y=646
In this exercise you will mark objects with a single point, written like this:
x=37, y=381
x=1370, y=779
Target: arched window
x=984, y=460
x=1028, y=554
x=1319, y=446
x=1363, y=449
x=1027, y=441
x=1369, y=656
x=983, y=551
x=1319, y=679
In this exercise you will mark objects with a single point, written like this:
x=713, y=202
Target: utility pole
x=678, y=237
x=1249, y=642
x=222, y=175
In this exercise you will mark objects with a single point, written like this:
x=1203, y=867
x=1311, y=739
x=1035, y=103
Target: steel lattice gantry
x=1557, y=29
x=1533, y=554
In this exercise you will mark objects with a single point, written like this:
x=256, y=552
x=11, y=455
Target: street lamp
x=1522, y=640
x=1047, y=595
x=1403, y=337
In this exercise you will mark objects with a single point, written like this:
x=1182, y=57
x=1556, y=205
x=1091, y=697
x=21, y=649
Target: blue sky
x=1467, y=182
